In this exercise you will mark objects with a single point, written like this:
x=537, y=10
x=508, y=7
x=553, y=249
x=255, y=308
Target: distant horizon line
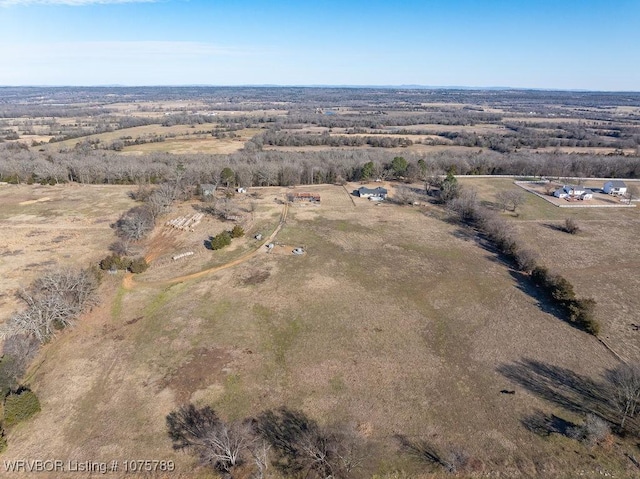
x=328, y=86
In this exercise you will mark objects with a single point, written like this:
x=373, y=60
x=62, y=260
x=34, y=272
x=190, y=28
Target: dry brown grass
x=393, y=322
x=45, y=226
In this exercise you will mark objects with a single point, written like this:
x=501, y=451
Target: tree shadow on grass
x=523, y=280
x=543, y=302
x=563, y=387
x=555, y=227
x=422, y=450
x=544, y=424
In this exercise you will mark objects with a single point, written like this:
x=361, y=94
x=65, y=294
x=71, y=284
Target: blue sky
x=563, y=44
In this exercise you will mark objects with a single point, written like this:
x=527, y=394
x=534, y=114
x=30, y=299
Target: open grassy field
x=45, y=226
x=601, y=260
x=395, y=321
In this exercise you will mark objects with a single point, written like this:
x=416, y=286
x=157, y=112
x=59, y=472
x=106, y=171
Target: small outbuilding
x=587, y=195
x=615, y=187
x=207, y=189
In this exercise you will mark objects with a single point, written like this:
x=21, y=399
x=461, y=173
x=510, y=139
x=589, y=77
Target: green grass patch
x=234, y=403
x=116, y=306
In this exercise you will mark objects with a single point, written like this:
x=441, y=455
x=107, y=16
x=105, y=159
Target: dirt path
x=129, y=282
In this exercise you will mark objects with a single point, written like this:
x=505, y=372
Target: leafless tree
x=260, y=451
x=595, y=430
x=549, y=188
x=633, y=192
x=302, y=447
x=433, y=181
x=135, y=224
x=510, y=199
x=465, y=204
x=526, y=259
x=571, y=226
x=161, y=199
x=404, y=195
x=625, y=388
x=451, y=460
x=201, y=431
x=17, y=352
x=54, y=301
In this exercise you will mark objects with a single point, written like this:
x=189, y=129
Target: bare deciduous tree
x=218, y=444
x=509, y=199
x=595, y=430
x=135, y=224
x=625, y=388
x=571, y=226
x=303, y=447
x=465, y=204
x=54, y=301
x=633, y=192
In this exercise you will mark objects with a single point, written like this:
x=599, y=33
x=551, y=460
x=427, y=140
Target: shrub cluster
x=570, y=226
x=237, y=231
x=20, y=406
x=117, y=262
x=580, y=311
x=221, y=240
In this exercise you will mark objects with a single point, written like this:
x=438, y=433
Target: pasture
x=45, y=226
x=395, y=321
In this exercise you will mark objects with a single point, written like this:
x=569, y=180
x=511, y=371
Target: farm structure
x=379, y=192
x=207, y=189
x=615, y=187
x=573, y=192
x=310, y=197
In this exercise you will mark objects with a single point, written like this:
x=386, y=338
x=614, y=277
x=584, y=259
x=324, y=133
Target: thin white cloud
x=73, y=3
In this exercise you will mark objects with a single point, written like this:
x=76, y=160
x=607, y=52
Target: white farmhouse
x=615, y=187
x=573, y=191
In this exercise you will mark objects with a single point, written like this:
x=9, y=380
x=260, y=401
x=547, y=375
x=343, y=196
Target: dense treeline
x=379, y=119
x=239, y=97
x=278, y=138
x=253, y=167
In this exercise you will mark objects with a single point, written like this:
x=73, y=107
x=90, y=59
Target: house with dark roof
x=615, y=187
x=379, y=192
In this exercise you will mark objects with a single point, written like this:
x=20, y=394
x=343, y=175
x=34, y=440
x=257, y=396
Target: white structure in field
x=573, y=191
x=379, y=193
x=615, y=187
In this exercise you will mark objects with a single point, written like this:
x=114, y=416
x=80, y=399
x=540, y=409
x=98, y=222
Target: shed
x=587, y=195
x=207, y=189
